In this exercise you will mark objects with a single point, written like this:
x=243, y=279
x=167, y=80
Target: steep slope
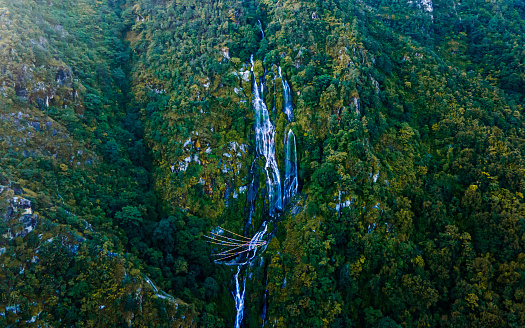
x=64, y=153
x=407, y=154
x=481, y=36
x=393, y=131
x=409, y=240
x=65, y=274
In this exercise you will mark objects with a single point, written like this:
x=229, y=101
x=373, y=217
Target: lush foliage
x=136, y=117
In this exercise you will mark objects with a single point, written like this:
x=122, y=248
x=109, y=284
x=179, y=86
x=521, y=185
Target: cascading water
x=244, y=249
x=291, y=182
x=265, y=146
x=239, y=297
x=287, y=98
x=260, y=26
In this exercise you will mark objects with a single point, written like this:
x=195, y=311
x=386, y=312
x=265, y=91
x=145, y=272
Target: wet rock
x=62, y=76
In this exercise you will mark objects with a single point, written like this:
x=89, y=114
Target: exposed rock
x=62, y=76
x=35, y=125
x=21, y=91
x=225, y=52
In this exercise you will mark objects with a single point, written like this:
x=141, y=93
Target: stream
x=277, y=197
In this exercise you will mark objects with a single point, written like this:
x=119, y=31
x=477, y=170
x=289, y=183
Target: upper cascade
x=287, y=98
x=265, y=146
x=260, y=26
x=291, y=182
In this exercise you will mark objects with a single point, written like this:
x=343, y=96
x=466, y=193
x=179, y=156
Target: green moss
x=258, y=69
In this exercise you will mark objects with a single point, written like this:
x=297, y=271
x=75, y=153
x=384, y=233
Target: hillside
x=65, y=138
x=329, y=163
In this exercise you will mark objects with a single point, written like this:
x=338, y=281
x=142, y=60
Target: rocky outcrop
x=18, y=216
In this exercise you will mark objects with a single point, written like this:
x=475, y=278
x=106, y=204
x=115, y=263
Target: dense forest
x=369, y=154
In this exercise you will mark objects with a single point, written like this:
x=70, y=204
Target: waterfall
x=287, y=98
x=239, y=297
x=245, y=251
x=265, y=146
x=291, y=182
x=265, y=301
x=260, y=26
x=252, y=245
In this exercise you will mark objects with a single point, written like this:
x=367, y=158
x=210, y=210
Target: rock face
x=19, y=217
x=63, y=77
x=39, y=75
x=426, y=5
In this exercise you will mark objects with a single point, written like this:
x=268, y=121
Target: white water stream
x=265, y=147
x=260, y=26
x=239, y=297
x=291, y=182
x=287, y=98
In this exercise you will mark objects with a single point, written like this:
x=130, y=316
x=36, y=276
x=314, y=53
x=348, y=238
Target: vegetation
x=129, y=126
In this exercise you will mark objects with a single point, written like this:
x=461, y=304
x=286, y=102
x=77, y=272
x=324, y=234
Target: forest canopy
x=130, y=133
